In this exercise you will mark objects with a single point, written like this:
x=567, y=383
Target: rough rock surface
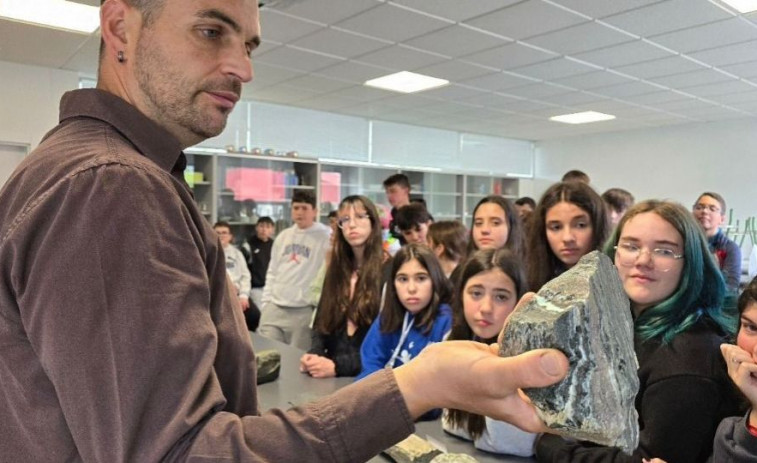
x=586, y=314
x=268, y=365
x=415, y=449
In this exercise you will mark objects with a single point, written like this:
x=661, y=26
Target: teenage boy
x=397, y=188
x=260, y=245
x=413, y=221
x=296, y=256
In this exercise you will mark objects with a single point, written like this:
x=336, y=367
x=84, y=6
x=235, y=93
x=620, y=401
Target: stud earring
x=120, y=56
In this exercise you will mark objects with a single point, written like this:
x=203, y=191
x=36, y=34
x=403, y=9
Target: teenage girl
x=676, y=293
x=495, y=225
x=492, y=282
x=416, y=312
x=352, y=283
x=448, y=240
x=569, y=221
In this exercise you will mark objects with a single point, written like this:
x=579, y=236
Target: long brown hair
x=481, y=261
x=542, y=264
x=393, y=313
x=514, y=226
x=336, y=307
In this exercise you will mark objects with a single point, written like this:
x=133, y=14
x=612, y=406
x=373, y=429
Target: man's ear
x=113, y=15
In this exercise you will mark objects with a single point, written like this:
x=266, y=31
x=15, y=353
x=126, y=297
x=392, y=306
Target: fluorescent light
x=58, y=14
x=742, y=6
x=406, y=82
x=582, y=118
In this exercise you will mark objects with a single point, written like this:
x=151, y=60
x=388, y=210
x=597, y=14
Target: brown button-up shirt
x=119, y=338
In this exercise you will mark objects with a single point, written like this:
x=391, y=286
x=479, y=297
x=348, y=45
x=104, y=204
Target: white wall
x=29, y=99
x=676, y=162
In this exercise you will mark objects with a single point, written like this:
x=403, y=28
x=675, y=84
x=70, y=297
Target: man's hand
x=245, y=303
x=470, y=376
x=317, y=366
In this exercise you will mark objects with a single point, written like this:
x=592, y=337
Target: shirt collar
x=149, y=138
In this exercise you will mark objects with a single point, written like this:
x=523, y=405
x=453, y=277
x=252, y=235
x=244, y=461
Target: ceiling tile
x=624, y=54
x=318, y=84
x=295, y=59
x=626, y=90
x=530, y=106
x=327, y=103
x=328, y=12
x=266, y=75
x=580, y=38
x=452, y=92
x=660, y=67
x=282, y=94
x=684, y=105
x=720, y=88
x=602, y=8
x=453, y=70
x=497, y=81
x=729, y=54
x=575, y=98
x=510, y=56
x=400, y=58
x=711, y=35
x=536, y=91
x=553, y=69
x=735, y=98
x=744, y=70
x=455, y=41
x=490, y=100
x=339, y=43
x=692, y=79
x=526, y=19
x=652, y=99
x=362, y=93
x=456, y=10
x=668, y=16
x=353, y=72
x=392, y=23
x=280, y=28
x=40, y=46
x=481, y=113
x=85, y=59
x=449, y=107
x=592, y=80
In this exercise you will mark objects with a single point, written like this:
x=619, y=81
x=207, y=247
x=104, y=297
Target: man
x=296, y=256
x=121, y=338
x=260, y=245
x=397, y=189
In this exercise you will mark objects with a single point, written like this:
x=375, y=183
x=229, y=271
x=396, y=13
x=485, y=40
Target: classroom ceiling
x=511, y=63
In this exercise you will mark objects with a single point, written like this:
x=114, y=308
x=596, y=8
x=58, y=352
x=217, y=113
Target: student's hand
x=317, y=366
x=470, y=376
x=652, y=460
x=742, y=369
x=304, y=361
x=245, y=303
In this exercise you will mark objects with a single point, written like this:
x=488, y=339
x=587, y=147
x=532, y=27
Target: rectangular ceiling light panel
x=742, y=6
x=58, y=14
x=406, y=82
x=582, y=118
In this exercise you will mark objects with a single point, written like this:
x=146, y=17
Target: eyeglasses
x=664, y=259
x=345, y=220
x=706, y=208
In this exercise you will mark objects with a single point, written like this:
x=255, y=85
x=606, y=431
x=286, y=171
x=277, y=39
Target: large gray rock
x=585, y=313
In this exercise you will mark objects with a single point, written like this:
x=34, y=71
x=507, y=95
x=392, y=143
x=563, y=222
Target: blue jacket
x=378, y=347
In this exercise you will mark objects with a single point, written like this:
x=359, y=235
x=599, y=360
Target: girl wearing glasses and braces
x=353, y=290
x=676, y=292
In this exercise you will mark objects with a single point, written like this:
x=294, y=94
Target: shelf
x=477, y=195
x=441, y=193
x=202, y=183
x=242, y=223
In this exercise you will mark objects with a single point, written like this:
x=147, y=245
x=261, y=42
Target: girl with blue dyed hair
x=676, y=292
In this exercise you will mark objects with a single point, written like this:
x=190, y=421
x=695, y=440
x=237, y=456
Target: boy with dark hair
x=397, y=188
x=259, y=248
x=525, y=206
x=296, y=256
x=617, y=201
x=413, y=221
x=576, y=175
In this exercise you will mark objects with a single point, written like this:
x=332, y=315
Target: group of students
x=447, y=283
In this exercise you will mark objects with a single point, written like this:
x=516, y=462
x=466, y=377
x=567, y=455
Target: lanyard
x=407, y=324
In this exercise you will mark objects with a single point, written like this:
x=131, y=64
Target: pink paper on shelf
x=257, y=184
x=331, y=185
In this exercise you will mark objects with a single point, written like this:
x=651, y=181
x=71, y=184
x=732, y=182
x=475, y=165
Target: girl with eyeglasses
x=352, y=286
x=569, y=222
x=676, y=294
x=709, y=210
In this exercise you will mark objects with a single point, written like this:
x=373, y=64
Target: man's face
x=190, y=64
x=264, y=231
x=303, y=214
x=397, y=195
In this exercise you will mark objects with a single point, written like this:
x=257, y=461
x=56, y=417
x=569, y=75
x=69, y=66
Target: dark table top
x=295, y=388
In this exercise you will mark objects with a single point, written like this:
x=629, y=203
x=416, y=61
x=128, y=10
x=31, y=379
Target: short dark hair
x=576, y=176
x=526, y=200
x=333, y=214
x=265, y=219
x=222, y=223
x=411, y=216
x=618, y=199
x=452, y=235
x=749, y=296
x=716, y=197
x=303, y=196
x=397, y=179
